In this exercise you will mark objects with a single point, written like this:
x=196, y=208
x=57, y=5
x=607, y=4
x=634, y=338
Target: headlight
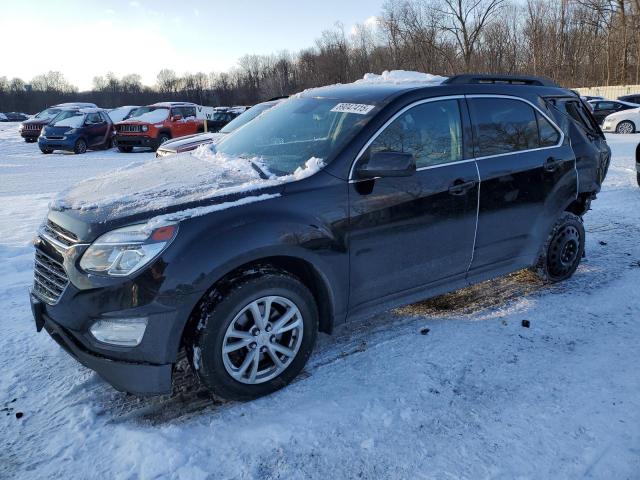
x=21, y=127
x=71, y=132
x=144, y=128
x=126, y=250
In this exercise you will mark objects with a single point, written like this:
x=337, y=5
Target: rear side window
x=503, y=125
x=432, y=132
x=549, y=136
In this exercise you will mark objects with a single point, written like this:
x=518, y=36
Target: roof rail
x=500, y=79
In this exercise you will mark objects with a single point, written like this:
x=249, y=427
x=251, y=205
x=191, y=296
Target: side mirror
x=387, y=164
x=175, y=118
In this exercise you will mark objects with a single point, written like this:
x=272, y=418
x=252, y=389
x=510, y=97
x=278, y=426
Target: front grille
x=128, y=128
x=32, y=126
x=59, y=234
x=49, y=278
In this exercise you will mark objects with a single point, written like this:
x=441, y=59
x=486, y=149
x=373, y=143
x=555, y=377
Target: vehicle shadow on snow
x=189, y=399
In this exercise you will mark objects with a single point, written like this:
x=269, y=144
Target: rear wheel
x=125, y=149
x=626, y=126
x=80, y=146
x=563, y=249
x=256, y=338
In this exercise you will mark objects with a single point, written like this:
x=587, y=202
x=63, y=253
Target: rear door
x=528, y=176
x=409, y=233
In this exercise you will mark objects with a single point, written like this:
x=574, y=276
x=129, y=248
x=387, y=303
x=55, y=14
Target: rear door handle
x=460, y=187
x=551, y=164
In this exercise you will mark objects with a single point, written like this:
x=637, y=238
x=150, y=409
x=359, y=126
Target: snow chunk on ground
x=401, y=76
x=173, y=180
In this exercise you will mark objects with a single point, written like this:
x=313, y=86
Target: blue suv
x=76, y=130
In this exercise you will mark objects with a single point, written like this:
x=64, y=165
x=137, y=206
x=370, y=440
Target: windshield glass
x=299, y=129
x=219, y=116
x=48, y=113
x=69, y=119
x=149, y=114
x=246, y=117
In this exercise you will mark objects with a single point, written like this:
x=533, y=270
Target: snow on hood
x=157, y=115
x=172, y=181
x=401, y=76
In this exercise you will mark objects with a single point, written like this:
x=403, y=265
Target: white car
x=625, y=121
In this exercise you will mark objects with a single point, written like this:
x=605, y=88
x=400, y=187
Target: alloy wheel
x=262, y=340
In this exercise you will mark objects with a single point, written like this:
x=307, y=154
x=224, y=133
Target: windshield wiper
x=263, y=174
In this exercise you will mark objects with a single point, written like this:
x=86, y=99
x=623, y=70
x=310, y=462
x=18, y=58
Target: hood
x=192, y=141
x=38, y=121
x=53, y=130
x=170, y=184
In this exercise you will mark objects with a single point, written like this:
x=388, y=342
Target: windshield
x=299, y=129
x=149, y=114
x=62, y=115
x=246, y=117
x=48, y=113
x=219, y=116
x=68, y=119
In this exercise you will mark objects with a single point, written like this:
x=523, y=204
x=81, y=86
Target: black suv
x=337, y=203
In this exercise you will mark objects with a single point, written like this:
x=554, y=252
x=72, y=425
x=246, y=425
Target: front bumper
x=30, y=134
x=137, y=141
x=65, y=142
x=133, y=377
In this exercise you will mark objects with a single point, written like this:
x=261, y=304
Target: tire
x=30, y=140
x=638, y=178
x=228, y=322
x=162, y=139
x=626, y=126
x=563, y=249
x=125, y=149
x=80, y=147
x=46, y=151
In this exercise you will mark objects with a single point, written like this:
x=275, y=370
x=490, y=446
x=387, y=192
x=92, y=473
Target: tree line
x=575, y=42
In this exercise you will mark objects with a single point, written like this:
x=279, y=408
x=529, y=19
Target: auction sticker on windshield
x=359, y=108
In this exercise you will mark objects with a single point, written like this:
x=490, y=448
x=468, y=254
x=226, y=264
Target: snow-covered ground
x=476, y=396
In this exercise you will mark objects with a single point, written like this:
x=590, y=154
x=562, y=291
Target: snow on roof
x=173, y=104
x=171, y=181
x=397, y=77
x=77, y=104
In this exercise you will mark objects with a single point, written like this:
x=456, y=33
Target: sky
x=83, y=39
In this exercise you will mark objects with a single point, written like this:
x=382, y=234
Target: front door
x=407, y=233
x=527, y=173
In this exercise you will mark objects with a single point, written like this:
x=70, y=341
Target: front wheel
x=163, y=138
x=257, y=338
x=125, y=149
x=563, y=249
x=80, y=146
x=626, y=126
x=638, y=178
x=46, y=151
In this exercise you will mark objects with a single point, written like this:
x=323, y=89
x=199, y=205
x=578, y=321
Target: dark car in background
x=30, y=129
x=602, y=108
x=77, y=130
x=633, y=98
x=191, y=142
x=221, y=116
x=13, y=117
x=340, y=203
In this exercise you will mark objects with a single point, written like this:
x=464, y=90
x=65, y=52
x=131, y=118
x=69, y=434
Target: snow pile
x=401, y=76
x=172, y=181
x=157, y=115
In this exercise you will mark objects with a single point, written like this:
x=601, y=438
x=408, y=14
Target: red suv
x=153, y=125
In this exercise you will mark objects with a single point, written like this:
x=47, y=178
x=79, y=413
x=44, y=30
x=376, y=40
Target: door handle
x=551, y=164
x=460, y=187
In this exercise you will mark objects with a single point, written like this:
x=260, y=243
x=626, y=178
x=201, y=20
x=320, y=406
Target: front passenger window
x=432, y=132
